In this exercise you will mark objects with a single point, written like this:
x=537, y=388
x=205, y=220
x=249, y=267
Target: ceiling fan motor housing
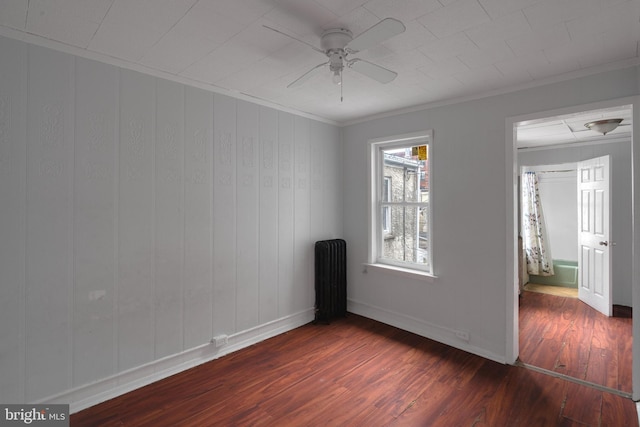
x=335, y=39
x=333, y=42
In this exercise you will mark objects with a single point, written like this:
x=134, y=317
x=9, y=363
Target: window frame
x=375, y=196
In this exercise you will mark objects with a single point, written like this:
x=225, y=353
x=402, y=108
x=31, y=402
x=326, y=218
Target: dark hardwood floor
x=359, y=372
x=567, y=336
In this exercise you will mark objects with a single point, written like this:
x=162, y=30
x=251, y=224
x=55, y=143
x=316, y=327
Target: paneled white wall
x=13, y=159
x=95, y=220
x=140, y=217
x=49, y=220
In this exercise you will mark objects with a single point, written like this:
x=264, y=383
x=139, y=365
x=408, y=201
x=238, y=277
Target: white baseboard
x=85, y=396
x=420, y=327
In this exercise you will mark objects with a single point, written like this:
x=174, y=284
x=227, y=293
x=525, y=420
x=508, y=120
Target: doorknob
x=604, y=243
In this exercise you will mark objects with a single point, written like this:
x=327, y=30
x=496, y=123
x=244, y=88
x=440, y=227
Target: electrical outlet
x=220, y=340
x=464, y=336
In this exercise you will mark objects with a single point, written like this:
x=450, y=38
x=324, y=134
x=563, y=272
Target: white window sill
x=407, y=272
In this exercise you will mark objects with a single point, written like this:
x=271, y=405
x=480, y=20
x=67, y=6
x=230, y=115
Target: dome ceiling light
x=603, y=126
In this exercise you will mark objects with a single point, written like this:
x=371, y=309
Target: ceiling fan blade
x=306, y=76
x=372, y=70
x=296, y=39
x=380, y=32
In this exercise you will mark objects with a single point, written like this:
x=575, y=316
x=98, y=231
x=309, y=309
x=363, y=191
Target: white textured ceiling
x=451, y=48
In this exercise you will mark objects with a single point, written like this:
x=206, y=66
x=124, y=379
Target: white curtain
x=534, y=229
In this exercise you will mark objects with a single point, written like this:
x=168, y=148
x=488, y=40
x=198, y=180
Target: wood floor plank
x=625, y=352
x=480, y=389
x=527, y=398
x=578, y=339
x=618, y=412
x=603, y=368
x=582, y=404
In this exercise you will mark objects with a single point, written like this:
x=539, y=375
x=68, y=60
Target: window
x=400, y=212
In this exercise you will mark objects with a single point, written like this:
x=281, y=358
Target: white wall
x=140, y=217
x=558, y=194
x=471, y=251
x=621, y=204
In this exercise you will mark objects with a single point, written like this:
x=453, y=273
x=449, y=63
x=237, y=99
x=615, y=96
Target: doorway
x=560, y=137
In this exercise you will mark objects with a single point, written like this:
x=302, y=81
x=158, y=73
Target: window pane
x=386, y=188
x=423, y=255
x=407, y=238
x=406, y=170
x=386, y=219
x=411, y=187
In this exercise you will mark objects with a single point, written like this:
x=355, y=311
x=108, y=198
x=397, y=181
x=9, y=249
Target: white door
x=594, y=222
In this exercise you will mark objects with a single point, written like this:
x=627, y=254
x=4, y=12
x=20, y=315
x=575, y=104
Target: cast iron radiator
x=331, y=279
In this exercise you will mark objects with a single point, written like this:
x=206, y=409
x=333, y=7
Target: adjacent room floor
x=564, y=335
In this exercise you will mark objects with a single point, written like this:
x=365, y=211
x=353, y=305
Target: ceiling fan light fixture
x=603, y=126
x=337, y=77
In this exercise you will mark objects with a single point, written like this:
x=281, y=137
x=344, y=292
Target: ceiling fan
x=338, y=43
